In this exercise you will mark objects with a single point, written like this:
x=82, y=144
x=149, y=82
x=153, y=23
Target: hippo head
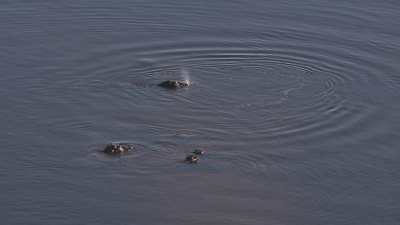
x=174, y=84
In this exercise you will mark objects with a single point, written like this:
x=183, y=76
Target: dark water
x=296, y=103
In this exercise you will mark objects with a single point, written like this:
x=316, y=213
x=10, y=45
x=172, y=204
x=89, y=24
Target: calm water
x=296, y=103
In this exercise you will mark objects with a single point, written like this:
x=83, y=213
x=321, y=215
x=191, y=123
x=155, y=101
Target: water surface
x=296, y=103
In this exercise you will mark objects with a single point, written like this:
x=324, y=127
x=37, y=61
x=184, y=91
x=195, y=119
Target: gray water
x=295, y=102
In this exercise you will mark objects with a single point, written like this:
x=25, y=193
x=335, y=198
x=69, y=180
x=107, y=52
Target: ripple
x=264, y=93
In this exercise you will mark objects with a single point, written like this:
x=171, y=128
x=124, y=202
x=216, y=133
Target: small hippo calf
x=191, y=159
x=174, y=84
x=198, y=152
x=117, y=148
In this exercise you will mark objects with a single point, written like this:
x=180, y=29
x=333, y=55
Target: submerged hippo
x=117, y=148
x=198, y=152
x=191, y=159
x=195, y=156
x=174, y=84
